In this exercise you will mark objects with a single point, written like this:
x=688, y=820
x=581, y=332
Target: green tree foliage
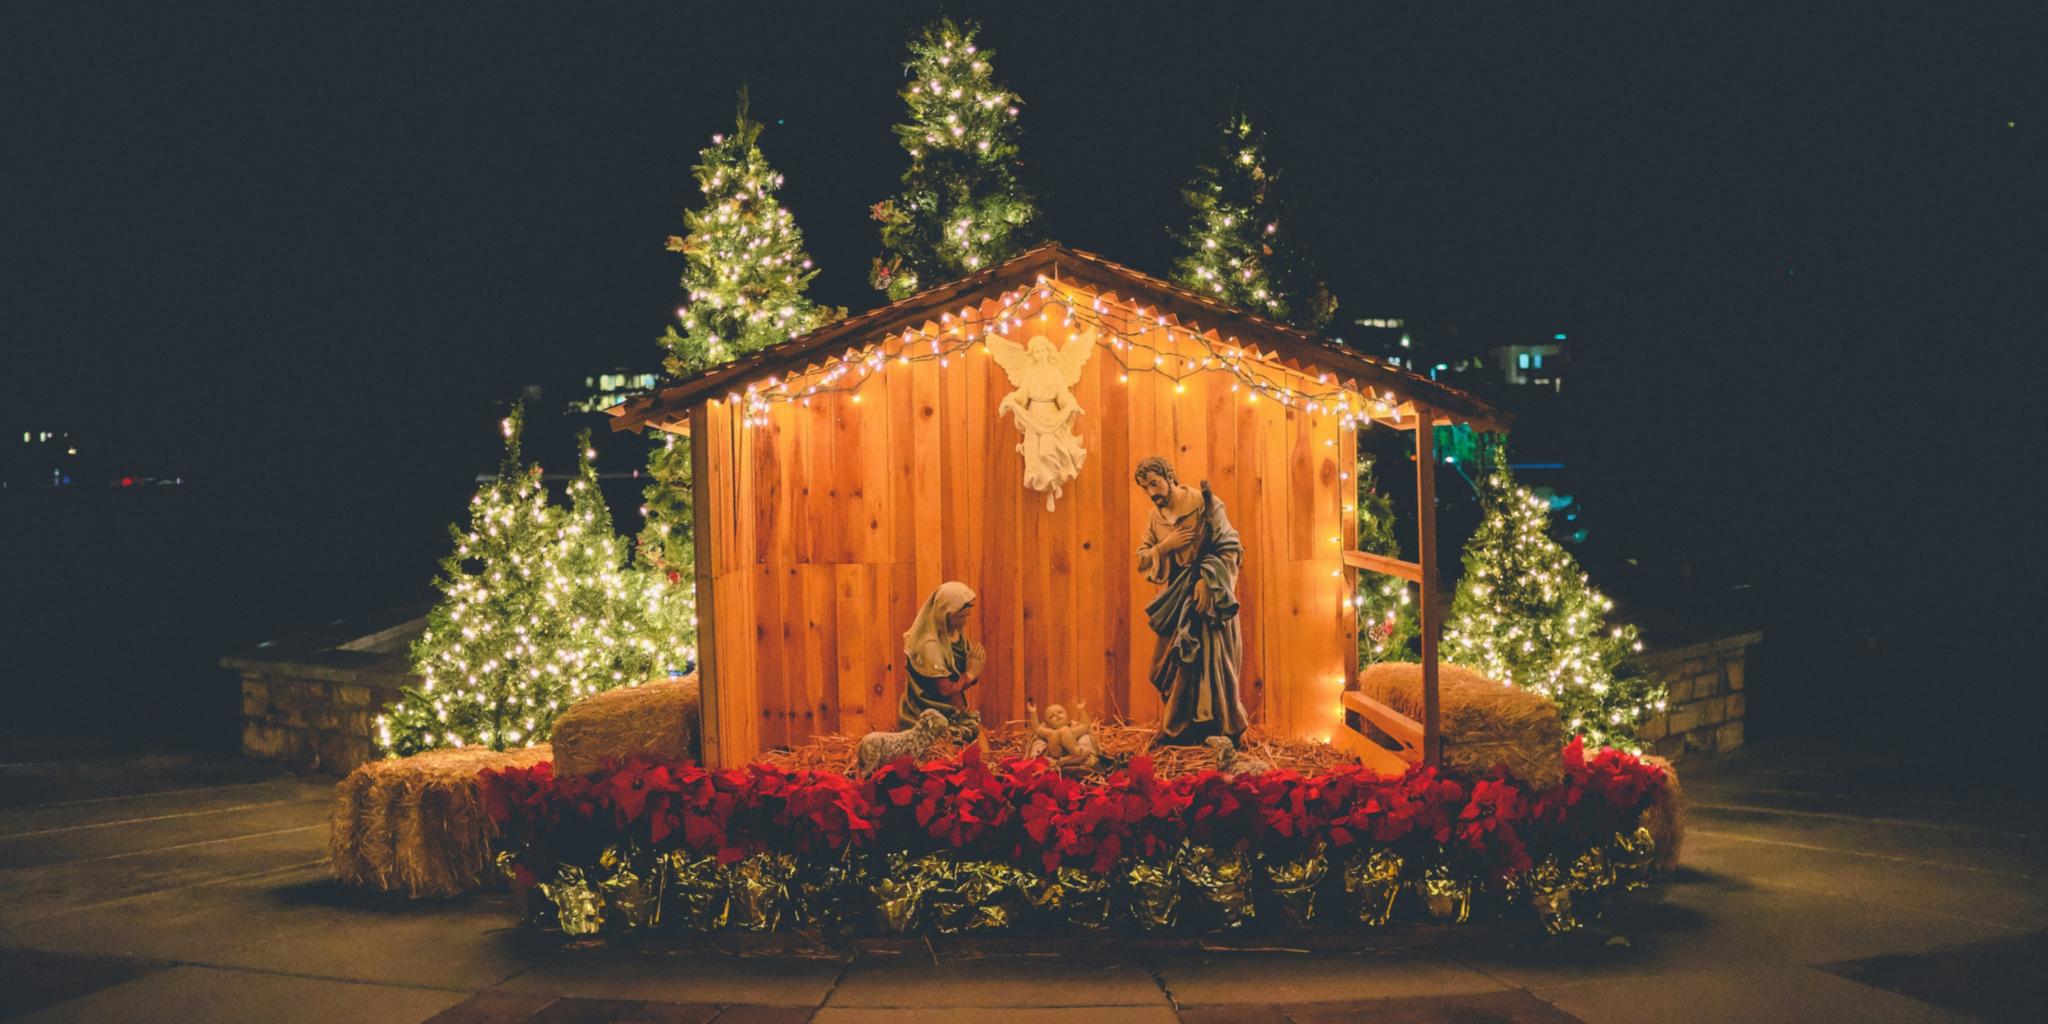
x=745, y=271
x=537, y=610
x=1239, y=245
x=744, y=265
x=1387, y=624
x=961, y=208
x=1525, y=613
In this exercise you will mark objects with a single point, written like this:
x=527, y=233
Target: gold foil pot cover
x=1550, y=894
x=831, y=895
x=1373, y=882
x=1293, y=884
x=1591, y=872
x=1443, y=897
x=1152, y=889
x=985, y=895
x=578, y=908
x=1222, y=882
x=1080, y=895
x=627, y=883
x=695, y=895
x=1632, y=855
x=900, y=892
x=760, y=890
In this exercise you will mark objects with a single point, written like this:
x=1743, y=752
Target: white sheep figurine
x=880, y=748
x=1232, y=761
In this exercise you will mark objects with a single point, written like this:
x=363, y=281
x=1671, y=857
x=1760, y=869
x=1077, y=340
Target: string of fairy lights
x=1123, y=329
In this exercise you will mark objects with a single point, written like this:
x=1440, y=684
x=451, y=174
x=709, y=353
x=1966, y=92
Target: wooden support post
x=1425, y=556
x=708, y=717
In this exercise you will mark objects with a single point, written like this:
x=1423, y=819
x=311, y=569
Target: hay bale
x=1485, y=723
x=1665, y=818
x=416, y=825
x=657, y=720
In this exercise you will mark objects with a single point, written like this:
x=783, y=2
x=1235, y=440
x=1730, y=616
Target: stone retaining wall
x=1703, y=714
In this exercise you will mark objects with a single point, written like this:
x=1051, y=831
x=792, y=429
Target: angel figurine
x=1044, y=408
x=1065, y=743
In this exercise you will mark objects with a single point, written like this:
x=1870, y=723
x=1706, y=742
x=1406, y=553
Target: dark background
x=300, y=256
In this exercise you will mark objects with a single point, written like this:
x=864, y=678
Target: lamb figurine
x=880, y=748
x=1231, y=761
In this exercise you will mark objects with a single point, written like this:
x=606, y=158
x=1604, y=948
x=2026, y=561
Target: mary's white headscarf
x=929, y=641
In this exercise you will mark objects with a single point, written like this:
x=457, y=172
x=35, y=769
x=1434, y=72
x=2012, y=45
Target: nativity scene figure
x=1191, y=550
x=1044, y=408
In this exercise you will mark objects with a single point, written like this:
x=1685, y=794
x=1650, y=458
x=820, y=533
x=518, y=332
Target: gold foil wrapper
x=1152, y=891
x=1550, y=894
x=1443, y=897
x=760, y=890
x=1222, y=883
x=1373, y=882
x=1633, y=856
x=1591, y=872
x=830, y=896
x=628, y=885
x=1293, y=884
x=985, y=895
x=1079, y=895
x=902, y=891
x=578, y=908
x=695, y=893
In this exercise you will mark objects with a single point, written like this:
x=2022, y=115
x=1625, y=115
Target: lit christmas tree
x=488, y=659
x=1239, y=248
x=961, y=208
x=1387, y=626
x=1526, y=614
x=745, y=272
x=744, y=265
x=616, y=633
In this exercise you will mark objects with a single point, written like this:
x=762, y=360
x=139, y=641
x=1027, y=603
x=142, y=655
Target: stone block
x=1654, y=729
x=1683, y=719
x=1728, y=737
x=1733, y=670
x=1735, y=705
x=255, y=694
x=1706, y=684
x=1699, y=743
x=352, y=696
x=1711, y=710
x=1677, y=691
x=1671, y=748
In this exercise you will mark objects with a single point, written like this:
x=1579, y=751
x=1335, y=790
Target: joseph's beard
x=1161, y=500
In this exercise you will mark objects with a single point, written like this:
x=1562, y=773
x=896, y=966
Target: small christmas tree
x=1238, y=246
x=1387, y=625
x=616, y=632
x=1526, y=614
x=487, y=658
x=961, y=208
x=744, y=265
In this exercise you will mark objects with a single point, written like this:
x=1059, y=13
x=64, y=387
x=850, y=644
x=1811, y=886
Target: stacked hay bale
x=1665, y=818
x=657, y=720
x=416, y=825
x=1484, y=723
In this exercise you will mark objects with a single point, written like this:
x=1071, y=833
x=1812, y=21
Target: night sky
x=297, y=253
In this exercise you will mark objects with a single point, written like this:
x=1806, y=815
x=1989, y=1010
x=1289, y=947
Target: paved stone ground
x=1817, y=888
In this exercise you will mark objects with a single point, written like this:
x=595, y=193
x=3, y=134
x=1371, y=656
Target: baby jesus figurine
x=1065, y=744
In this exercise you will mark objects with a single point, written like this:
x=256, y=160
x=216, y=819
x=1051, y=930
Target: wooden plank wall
x=833, y=521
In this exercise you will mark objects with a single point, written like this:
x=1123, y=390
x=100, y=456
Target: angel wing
x=1075, y=356
x=1010, y=356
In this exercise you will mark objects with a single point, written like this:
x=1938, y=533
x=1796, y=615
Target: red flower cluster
x=1024, y=812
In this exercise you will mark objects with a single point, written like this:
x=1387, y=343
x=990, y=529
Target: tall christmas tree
x=1526, y=614
x=1239, y=245
x=744, y=265
x=1387, y=626
x=961, y=208
x=487, y=658
x=617, y=632
x=745, y=272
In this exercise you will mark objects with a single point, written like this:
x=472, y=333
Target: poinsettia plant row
x=1024, y=812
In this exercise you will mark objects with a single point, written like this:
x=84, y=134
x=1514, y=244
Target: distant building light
x=1559, y=335
x=1404, y=341
x=1536, y=360
x=1443, y=366
x=1522, y=360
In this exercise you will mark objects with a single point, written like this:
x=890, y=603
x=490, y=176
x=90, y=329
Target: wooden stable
x=843, y=475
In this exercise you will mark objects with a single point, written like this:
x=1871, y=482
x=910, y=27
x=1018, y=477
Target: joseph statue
x=1190, y=549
